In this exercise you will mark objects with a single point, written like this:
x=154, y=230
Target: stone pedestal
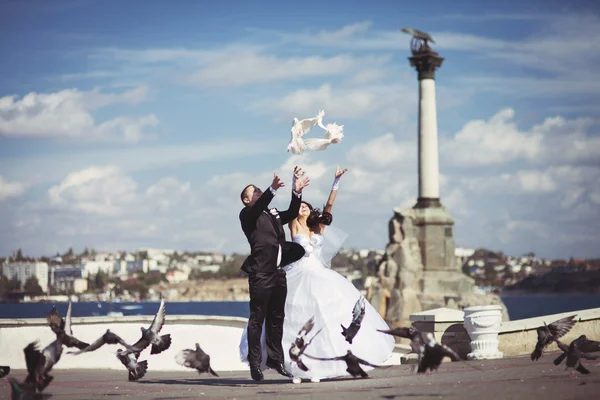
x=446, y=325
x=483, y=325
x=442, y=276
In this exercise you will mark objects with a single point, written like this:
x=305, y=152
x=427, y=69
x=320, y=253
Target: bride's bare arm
x=332, y=194
x=331, y=199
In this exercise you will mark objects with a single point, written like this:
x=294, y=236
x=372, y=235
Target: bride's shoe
x=296, y=380
x=315, y=380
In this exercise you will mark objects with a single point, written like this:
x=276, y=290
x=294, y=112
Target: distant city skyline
x=137, y=126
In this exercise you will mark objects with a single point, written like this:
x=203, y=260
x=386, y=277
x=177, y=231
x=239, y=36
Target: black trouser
x=267, y=303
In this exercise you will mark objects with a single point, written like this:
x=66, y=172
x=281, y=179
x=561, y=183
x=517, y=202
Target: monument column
x=419, y=269
x=433, y=224
x=426, y=61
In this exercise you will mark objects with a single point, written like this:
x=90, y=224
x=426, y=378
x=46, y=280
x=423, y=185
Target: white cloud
x=491, y=142
x=250, y=67
x=67, y=114
x=383, y=104
x=95, y=190
x=500, y=141
x=11, y=188
x=52, y=167
x=383, y=151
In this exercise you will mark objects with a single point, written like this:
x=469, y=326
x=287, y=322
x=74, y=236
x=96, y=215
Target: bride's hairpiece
x=317, y=217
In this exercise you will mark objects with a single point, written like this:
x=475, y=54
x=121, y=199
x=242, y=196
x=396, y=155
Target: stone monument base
x=419, y=271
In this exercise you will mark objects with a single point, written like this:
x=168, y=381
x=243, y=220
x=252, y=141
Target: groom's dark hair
x=243, y=194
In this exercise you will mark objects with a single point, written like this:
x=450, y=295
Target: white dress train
x=316, y=290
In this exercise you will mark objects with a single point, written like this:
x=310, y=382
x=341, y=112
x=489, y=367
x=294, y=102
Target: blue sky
x=129, y=125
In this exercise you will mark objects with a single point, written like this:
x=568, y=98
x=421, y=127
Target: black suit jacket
x=264, y=231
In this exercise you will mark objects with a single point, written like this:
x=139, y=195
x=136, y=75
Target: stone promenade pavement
x=509, y=378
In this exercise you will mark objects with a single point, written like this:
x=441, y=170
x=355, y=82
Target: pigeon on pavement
x=549, y=333
x=137, y=369
x=433, y=354
x=578, y=349
x=196, y=359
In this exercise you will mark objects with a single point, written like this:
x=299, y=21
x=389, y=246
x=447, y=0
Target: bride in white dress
x=315, y=290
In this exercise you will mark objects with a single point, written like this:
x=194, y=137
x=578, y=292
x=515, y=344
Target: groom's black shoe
x=256, y=374
x=278, y=366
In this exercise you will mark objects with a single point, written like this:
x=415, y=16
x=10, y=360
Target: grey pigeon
x=299, y=345
x=416, y=337
x=107, y=338
x=62, y=328
x=358, y=313
x=196, y=359
x=137, y=369
x=433, y=354
x=150, y=335
x=4, y=371
x=578, y=349
x=49, y=358
x=353, y=364
x=37, y=374
x=549, y=333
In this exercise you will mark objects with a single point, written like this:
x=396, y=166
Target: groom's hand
x=277, y=183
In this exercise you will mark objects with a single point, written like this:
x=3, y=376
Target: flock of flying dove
x=333, y=134
x=429, y=352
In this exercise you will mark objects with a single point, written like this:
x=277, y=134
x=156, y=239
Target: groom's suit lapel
x=274, y=222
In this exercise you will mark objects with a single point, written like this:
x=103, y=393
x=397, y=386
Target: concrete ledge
x=534, y=323
x=519, y=337
x=438, y=315
x=217, y=320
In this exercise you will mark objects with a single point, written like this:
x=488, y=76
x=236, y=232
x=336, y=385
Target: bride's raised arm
x=334, y=188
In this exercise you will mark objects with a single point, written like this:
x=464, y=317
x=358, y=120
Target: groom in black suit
x=269, y=252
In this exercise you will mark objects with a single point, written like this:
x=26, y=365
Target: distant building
x=91, y=268
x=26, y=269
x=68, y=278
x=176, y=276
x=64, y=272
x=71, y=285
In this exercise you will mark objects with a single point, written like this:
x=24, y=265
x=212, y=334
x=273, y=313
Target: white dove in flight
x=299, y=128
x=333, y=135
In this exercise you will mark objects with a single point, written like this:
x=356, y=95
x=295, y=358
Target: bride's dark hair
x=317, y=217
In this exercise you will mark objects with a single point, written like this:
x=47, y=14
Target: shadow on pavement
x=238, y=382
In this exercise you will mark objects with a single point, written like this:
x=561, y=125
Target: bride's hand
x=339, y=173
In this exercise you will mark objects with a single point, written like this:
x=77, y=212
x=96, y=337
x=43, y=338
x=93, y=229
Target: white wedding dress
x=316, y=290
